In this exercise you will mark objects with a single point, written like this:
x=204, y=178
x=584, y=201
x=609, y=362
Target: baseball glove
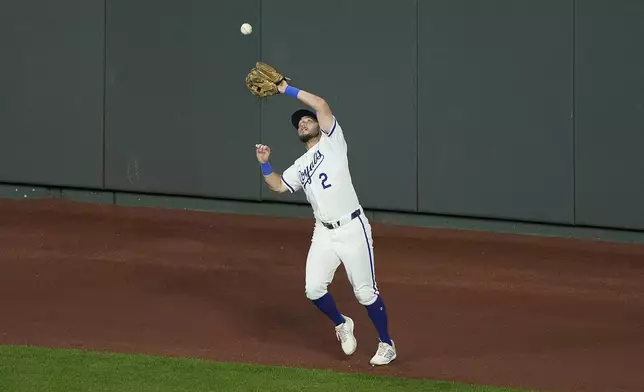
x=262, y=80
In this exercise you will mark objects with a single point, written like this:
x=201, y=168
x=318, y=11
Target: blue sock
x=378, y=315
x=327, y=305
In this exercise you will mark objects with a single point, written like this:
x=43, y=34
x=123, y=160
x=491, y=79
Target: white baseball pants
x=350, y=244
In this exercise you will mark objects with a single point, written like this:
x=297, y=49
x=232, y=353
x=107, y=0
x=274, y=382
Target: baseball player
x=342, y=233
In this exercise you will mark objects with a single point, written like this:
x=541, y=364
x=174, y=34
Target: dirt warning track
x=506, y=310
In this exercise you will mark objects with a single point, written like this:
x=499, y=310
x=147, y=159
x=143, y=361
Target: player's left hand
x=282, y=86
x=263, y=80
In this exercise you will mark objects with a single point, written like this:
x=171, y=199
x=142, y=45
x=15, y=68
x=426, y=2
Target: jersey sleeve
x=335, y=134
x=291, y=178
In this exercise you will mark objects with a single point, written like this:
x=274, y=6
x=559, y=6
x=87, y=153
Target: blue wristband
x=291, y=91
x=266, y=168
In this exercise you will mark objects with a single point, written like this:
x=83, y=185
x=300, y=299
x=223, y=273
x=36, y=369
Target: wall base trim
x=271, y=208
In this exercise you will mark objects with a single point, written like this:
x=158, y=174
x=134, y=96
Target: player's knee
x=366, y=295
x=315, y=291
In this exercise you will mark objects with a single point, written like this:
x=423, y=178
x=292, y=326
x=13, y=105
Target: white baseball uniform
x=342, y=232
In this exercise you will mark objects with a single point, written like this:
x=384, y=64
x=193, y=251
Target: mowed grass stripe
x=31, y=369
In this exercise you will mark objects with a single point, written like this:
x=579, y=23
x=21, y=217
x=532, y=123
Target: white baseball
x=246, y=29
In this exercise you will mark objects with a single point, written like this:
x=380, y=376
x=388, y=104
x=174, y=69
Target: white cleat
x=384, y=355
x=344, y=333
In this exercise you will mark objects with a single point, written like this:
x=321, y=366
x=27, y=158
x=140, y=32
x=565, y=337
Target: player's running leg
x=356, y=252
x=321, y=264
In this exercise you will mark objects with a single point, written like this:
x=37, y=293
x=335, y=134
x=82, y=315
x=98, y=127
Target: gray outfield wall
x=453, y=110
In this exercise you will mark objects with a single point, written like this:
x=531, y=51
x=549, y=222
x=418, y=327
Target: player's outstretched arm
x=321, y=107
x=273, y=179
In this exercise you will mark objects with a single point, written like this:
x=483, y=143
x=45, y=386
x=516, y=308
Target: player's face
x=307, y=129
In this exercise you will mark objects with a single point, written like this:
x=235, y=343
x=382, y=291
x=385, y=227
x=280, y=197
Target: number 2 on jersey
x=324, y=177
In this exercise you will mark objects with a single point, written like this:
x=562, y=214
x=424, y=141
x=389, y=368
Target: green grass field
x=29, y=369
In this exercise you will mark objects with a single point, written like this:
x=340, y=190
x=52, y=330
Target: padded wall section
x=495, y=109
x=367, y=73
x=51, y=92
x=178, y=116
x=609, y=87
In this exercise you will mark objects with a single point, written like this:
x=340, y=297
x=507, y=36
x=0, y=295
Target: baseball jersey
x=323, y=173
